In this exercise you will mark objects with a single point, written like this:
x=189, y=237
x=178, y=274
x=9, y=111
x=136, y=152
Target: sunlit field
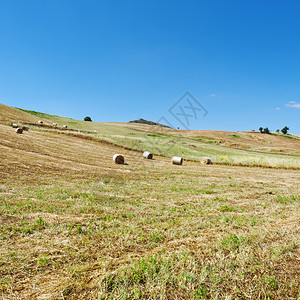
x=75, y=225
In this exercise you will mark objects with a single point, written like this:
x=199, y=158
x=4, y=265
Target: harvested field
x=75, y=225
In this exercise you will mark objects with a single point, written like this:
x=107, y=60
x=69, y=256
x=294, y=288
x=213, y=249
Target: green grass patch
x=287, y=136
x=154, y=135
x=235, y=136
x=287, y=199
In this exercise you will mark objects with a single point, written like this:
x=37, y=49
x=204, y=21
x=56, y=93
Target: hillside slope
x=246, y=148
x=49, y=154
x=13, y=115
x=268, y=143
x=74, y=225
x=244, y=140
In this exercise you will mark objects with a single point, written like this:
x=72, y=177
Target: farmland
x=74, y=225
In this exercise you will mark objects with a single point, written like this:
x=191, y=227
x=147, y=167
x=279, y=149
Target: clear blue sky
x=121, y=60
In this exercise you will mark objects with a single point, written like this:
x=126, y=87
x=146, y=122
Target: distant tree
x=277, y=130
x=266, y=130
x=261, y=129
x=285, y=129
x=88, y=119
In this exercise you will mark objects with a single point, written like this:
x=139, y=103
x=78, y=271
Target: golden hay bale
x=14, y=125
x=118, y=159
x=177, y=160
x=19, y=130
x=148, y=155
x=205, y=160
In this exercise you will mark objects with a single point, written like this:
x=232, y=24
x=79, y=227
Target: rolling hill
x=244, y=148
x=75, y=225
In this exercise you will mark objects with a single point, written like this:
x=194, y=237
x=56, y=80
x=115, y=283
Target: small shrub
x=88, y=119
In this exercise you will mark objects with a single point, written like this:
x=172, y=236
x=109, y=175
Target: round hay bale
x=14, y=125
x=119, y=159
x=40, y=122
x=177, y=160
x=19, y=130
x=205, y=160
x=25, y=128
x=148, y=155
x=65, y=126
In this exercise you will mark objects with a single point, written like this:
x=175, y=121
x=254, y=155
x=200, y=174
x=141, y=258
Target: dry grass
x=74, y=225
x=215, y=140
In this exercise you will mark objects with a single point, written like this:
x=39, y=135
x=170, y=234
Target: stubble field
x=76, y=226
